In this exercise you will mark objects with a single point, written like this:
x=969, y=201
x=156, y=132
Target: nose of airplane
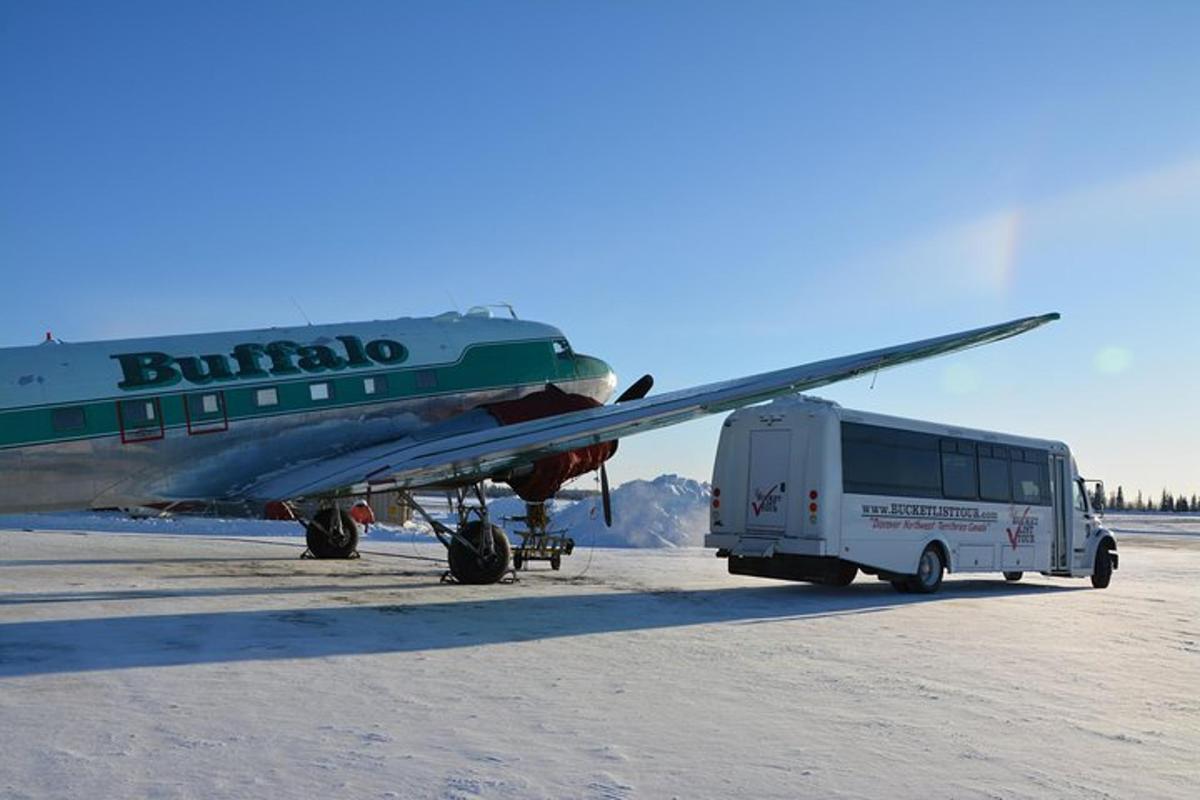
x=595, y=369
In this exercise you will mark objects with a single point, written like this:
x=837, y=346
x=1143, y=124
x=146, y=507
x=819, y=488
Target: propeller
x=636, y=391
x=605, y=497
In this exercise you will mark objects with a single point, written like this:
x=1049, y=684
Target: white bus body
x=804, y=489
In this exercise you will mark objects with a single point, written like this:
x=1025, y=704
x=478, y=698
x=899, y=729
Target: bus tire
x=1103, y=569
x=843, y=576
x=930, y=569
x=1013, y=577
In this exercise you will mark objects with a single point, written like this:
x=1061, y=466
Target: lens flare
x=1112, y=360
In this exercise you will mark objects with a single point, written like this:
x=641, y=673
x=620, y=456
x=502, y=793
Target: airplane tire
x=929, y=572
x=1013, y=577
x=322, y=537
x=556, y=562
x=1102, y=571
x=468, y=567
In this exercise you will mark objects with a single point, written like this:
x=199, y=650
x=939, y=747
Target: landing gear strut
x=478, y=551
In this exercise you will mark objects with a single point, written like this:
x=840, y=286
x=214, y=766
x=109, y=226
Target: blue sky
x=697, y=190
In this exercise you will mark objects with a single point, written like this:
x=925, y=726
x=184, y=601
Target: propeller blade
x=638, y=389
x=605, y=498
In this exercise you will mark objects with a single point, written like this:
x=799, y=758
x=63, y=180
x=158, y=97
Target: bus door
x=770, y=479
x=1064, y=513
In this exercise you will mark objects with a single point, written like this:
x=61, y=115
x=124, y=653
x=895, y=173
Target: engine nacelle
x=540, y=482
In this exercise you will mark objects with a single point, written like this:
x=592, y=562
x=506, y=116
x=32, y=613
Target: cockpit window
x=562, y=349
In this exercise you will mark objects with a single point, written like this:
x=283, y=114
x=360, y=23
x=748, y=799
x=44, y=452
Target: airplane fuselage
x=199, y=417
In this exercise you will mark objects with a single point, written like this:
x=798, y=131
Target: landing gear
x=478, y=551
x=332, y=533
x=472, y=561
x=1013, y=577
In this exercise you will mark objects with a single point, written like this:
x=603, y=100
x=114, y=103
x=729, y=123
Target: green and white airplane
x=330, y=411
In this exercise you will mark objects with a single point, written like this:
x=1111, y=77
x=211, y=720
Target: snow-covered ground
x=1153, y=523
x=201, y=667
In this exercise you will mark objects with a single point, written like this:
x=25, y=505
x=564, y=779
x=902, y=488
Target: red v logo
x=758, y=507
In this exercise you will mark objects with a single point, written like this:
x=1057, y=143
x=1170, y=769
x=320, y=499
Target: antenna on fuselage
x=301, y=310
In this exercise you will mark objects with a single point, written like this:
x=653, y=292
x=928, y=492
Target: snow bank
x=668, y=511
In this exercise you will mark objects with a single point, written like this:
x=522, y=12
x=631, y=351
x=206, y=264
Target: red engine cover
x=551, y=472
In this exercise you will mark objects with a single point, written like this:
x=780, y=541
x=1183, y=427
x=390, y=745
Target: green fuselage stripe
x=482, y=367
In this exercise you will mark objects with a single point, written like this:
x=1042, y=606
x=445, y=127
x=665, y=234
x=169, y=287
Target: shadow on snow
x=58, y=646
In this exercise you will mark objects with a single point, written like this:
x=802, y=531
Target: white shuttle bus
x=806, y=490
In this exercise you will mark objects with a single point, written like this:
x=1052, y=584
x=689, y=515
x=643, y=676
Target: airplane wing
x=475, y=455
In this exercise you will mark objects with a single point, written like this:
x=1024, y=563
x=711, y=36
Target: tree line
x=1166, y=502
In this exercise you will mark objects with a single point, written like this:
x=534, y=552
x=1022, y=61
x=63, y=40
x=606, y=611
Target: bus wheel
x=1102, y=571
x=1013, y=577
x=842, y=576
x=929, y=572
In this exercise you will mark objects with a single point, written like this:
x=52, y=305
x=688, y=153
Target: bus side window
x=1030, y=483
x=994, y=483
x=958, y=476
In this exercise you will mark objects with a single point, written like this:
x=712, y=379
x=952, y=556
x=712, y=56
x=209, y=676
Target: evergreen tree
x=1181, y=504
x=1120, y=504
x=1165, y=503
x=1098, y=498
x=1195, y=504
x=1141, y=504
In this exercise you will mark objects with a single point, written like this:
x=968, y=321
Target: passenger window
x=204, y=406
x=138, y=413
x=994, y=482
x=266, y=397
x=68, y=419
x=886, y=461
x=1030, y=483
x=958, y=476
x=319, y=391
x=376, y=384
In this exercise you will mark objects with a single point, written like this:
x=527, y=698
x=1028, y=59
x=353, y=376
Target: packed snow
x=172, y=666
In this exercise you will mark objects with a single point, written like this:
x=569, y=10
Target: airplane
x=326, y=412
